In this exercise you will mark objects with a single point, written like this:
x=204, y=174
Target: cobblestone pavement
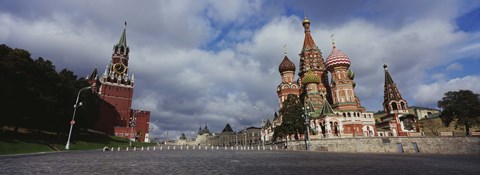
x=236, y=162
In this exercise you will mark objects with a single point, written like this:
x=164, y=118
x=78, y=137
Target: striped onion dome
x=337, y=58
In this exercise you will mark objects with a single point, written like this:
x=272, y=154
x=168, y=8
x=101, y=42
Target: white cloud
x=186, y=83
x=454, y=67
x=429, y=94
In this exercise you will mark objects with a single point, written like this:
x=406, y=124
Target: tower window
x=394, y=106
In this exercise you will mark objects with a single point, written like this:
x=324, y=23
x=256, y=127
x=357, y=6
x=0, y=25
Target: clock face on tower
x=119, y=68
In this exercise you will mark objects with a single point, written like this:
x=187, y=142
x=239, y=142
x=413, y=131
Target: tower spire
x=123, y=38
x=393, y=100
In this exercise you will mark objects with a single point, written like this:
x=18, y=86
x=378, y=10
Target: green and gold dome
x=310, y=77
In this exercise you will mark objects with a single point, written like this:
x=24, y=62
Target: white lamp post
x=75, y=106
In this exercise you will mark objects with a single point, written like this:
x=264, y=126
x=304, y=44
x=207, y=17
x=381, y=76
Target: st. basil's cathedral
x=333, y=108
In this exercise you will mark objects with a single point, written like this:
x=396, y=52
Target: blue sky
x=216, y=62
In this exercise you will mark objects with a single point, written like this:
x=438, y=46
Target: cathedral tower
x=288, y=85
x=311, y=60
x=392, y=99
x=342, y=84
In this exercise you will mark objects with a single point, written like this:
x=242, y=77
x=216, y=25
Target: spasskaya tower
x=115, y=89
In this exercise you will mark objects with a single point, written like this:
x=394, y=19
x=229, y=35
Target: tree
x=292, y=120
x=34, y=95
x=462, y=106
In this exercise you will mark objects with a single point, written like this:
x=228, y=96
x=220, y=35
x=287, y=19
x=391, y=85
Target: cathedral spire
x=308, y=42
x=310, y=56
x=393, y=100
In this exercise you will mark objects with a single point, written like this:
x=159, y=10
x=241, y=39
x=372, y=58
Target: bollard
x=225, y=148
x=111, y=149
x=174, y=147
x=154, y=148
x=148, y=148
x=161, y=147
x=217, y=147
x=134, y=148
x=142, y=148
x=276, y=147
x=168, y=147
x=193, y=147
x=237, y=147
x=187, y=146
x=263, y=147
x=126, y=149
x=181, y=147
x=211, y=148
x=206, y=147
x=270, y=148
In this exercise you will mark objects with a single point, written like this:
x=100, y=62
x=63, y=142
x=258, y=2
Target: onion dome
x=305, y=21
x=310, y=77
x=286, y=65
x=350, y=74
x=337, y=58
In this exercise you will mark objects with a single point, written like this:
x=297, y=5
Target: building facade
x=333, y=108
x=115, y=89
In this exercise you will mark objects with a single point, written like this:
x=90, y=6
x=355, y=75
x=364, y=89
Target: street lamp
x=307, y=123
x=75, y=106
x=133, y=120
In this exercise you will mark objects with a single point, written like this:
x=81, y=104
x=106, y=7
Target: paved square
x=236, y=162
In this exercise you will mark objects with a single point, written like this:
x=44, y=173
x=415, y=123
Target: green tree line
x=34, y=95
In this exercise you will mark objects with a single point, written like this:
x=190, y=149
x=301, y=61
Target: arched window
x=349, y=115
x=344, y=115
x=394, y=106
x=402, y=104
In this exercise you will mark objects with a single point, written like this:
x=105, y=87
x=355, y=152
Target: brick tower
x=311, y=59
x=115, y=88
x=342, y=84
x=288, y=85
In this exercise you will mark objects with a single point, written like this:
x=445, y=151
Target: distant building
x=115, y=88
x=250, y=136
x=423, y=112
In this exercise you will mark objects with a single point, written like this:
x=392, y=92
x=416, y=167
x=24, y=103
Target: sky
x=212, y=62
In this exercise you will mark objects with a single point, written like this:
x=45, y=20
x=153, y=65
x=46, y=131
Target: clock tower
x=115, y=89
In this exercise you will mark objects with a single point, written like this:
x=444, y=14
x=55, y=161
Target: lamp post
x=133, y=119
x=75, y=106
x=263, y=134
x=307, y=123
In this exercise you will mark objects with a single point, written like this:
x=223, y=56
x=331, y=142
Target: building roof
x=337, y=58
x=310, y=77
x=123, y=38
x=391, y=91
x=227, y=128
x=286, y=65
x=310, y=56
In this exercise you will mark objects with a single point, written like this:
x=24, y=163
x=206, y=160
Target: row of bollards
x=181, y=147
